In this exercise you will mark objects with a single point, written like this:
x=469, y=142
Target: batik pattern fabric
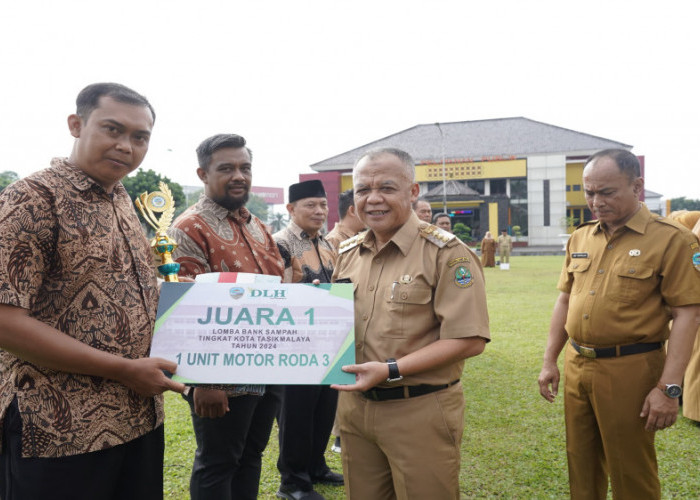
x=76, y=258
x=212, y=239
x=305, y=258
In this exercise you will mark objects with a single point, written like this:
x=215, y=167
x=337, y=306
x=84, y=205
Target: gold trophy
x=163, y=246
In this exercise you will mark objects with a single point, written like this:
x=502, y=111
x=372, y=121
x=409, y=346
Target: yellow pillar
x=493, y=219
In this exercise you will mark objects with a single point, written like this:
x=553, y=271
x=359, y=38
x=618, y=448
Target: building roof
x=452, y=188
x=480, y=140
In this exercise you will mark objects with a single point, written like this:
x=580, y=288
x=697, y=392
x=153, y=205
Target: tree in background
x=278, y=221
x=462, y=232
x=6, y=178
x=684, y=204
x=257, y=206
x=193, y=197
x=147, y=181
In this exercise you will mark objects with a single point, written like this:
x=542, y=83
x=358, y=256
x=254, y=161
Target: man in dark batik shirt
x=80, y=404
x=307, y=412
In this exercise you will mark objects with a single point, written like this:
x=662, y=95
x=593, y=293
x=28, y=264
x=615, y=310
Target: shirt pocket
x=631, y=283
x=408, y=308
x=577, y=269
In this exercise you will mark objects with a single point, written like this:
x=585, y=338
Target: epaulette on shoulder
x=669, y=222
x=436, y=235
x=350, y=243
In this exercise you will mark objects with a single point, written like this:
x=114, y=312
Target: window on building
x=568, y=188
x=518, y=189
x=518, y=217
x=498, y=186
x=577, y=187
x=574, y=217
x=476, y=185
x=545, y=201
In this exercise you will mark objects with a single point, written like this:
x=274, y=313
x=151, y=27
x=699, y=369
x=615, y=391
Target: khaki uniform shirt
x=622, y=286
x=338, y=235
x=417, y=289
x=505, y=243
x=77, y=259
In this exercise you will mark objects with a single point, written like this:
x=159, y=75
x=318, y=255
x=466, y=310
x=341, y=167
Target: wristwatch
x=394, y=375
x=673, y=391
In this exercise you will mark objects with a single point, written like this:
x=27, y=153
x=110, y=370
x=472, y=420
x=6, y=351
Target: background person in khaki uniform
x=349, y=224
x=505, y=245
x=691, y=380
x=625, y=276
x=443, y=221
x=422, y=208
x=420, y=311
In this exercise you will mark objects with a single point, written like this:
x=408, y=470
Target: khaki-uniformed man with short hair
x=420, y=311
x=422, y=208
x=349, y=224
x=505, y=245
x=624, y=277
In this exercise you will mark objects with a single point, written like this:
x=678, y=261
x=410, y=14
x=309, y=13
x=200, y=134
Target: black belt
x=615, y=351
x=404, y=391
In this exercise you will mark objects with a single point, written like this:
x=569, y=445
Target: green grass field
x=513, y=444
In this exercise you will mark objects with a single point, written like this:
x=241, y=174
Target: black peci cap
x=306, y=189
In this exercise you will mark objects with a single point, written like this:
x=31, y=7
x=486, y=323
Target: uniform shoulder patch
x=436, y=235
x=696, y=261
x=350, y=243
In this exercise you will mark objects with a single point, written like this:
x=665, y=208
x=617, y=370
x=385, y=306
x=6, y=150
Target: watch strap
x=394, y=374
x=672, y=391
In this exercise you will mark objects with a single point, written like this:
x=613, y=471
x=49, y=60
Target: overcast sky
x=306, y=80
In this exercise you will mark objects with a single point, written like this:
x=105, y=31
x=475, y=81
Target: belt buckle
x=587, y=352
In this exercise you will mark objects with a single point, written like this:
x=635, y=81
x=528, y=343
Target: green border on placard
x=345, y=356
x=170, y=298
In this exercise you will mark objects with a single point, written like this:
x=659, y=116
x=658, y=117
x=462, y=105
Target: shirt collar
x=80, y=180
x=300, y=233
x=404, y=238
x=640, y=220
x=638, y=223
x=221, y=212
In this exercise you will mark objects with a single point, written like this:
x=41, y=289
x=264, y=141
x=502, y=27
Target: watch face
x=673, y=390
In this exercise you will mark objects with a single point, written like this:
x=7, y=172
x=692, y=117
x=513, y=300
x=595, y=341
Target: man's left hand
x=660, y=410
x=367, y=375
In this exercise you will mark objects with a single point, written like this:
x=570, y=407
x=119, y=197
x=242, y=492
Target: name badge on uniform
x=579, y=255
x=696, y=261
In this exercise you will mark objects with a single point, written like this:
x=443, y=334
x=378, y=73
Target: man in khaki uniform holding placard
x=625, y=276
x=401, y=422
